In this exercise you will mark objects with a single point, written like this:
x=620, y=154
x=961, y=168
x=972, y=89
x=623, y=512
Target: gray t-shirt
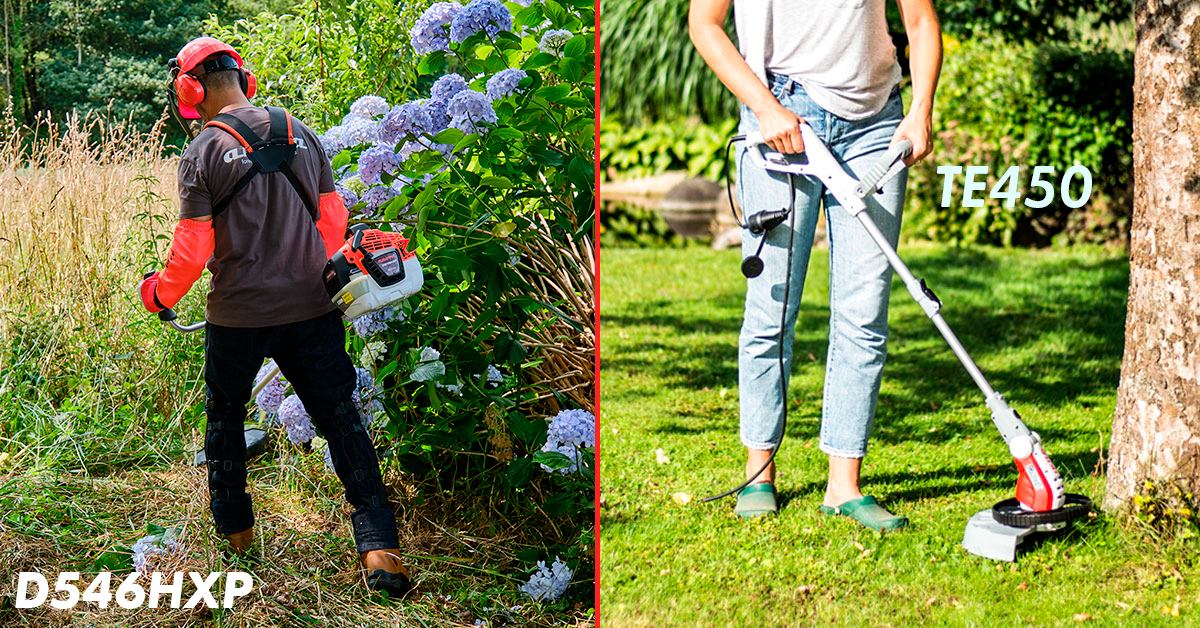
x=839, y=50
x=267, y=263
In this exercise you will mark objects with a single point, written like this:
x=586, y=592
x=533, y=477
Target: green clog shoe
x=757, y=500
x=869, y=513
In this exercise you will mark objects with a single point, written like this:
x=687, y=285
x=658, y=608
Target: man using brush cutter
x=831, y=65
x=264, y=217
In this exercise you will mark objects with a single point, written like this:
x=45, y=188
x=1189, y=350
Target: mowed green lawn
x=1047, y=329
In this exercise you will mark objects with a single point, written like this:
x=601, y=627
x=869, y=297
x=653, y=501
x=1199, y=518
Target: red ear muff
x=249, y=83
x=189, y=90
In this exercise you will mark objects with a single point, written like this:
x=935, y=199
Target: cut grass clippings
x=1047, y=329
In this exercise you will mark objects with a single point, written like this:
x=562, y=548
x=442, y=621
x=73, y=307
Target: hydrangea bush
x=488, y=170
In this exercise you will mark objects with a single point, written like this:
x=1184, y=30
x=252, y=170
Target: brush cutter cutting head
x=372, y=270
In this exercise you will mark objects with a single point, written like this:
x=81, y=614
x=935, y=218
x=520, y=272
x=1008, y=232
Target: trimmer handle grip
x=166, y=315
x=887, y=167
x=766, y=157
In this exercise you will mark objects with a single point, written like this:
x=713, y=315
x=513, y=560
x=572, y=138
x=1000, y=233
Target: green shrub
x=315, y=63
x=654, y=148
x=1001, y=104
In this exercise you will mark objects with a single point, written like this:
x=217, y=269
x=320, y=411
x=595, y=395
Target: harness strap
x=274, y=155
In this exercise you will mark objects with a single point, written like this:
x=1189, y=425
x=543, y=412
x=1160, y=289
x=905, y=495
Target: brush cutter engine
x=372, y=270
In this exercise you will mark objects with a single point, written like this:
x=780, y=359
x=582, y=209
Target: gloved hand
x=146, y=289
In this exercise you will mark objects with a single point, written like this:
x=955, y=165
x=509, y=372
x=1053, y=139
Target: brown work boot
x=240, y=543
x=386, y=573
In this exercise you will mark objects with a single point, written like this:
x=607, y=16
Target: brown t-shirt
x=267, y=263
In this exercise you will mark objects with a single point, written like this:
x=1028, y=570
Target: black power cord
x=752, y=266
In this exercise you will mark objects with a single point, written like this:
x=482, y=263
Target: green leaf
x=504, y=133
x=387, y=369
x=503, y=229
x=500, y=183
x=558, y=503
x=581, y=173
x=539, y=60
x=448, y=136
x=432, y=63
x=552, y=459
x=451, y=258
x=553, y=93
x=427, y=371
x=466, y=141
x=118, y=558
x=508, y=350
x=576, y=47
x=520, y=472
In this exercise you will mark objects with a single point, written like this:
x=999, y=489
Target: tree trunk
x=1156, y=431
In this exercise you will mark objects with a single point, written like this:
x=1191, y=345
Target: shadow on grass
x=1056, y=326
x=899, y=486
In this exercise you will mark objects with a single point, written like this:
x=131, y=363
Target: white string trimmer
x=1041, y=503
x=372, y=270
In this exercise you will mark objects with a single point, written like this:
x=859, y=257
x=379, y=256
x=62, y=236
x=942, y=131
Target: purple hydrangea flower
x=372, y=323
x=329, y=459
x=429, y=32
x=368, y=396
x=411, y=118
x=149, y=554
x=504, y=83
x=447, y=86
x=489, y=15
x=374, y=162
x=575, y=427
x=332, y=141
x=348, y=196
x=570, y=451
x=376, y=197
x=296, y=421
x=271, y=395
x=548, y=583
x=438, y=115
x=569, y=431
x=494, y=376
x=353, y=131
x=553, y=41
x=468, y=109
x=369, y=106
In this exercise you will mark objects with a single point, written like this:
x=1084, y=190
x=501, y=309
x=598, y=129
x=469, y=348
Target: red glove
x=146, y=289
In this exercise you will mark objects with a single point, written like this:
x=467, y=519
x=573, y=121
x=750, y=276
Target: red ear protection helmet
x=188, y=89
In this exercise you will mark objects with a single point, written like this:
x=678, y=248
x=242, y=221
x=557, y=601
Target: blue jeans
x=312, y=356
x=860, y=280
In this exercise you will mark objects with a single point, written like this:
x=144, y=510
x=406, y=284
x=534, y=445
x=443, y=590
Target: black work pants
x=311, y=354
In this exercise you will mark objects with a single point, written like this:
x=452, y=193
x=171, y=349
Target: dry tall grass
x=80, y=199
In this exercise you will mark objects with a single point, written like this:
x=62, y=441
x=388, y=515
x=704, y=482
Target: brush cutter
x=1041, y=503
x=372, y=270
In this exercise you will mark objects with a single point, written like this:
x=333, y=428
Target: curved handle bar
x=168, y=316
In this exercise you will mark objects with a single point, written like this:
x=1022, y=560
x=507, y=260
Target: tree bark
x=1156, y=430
